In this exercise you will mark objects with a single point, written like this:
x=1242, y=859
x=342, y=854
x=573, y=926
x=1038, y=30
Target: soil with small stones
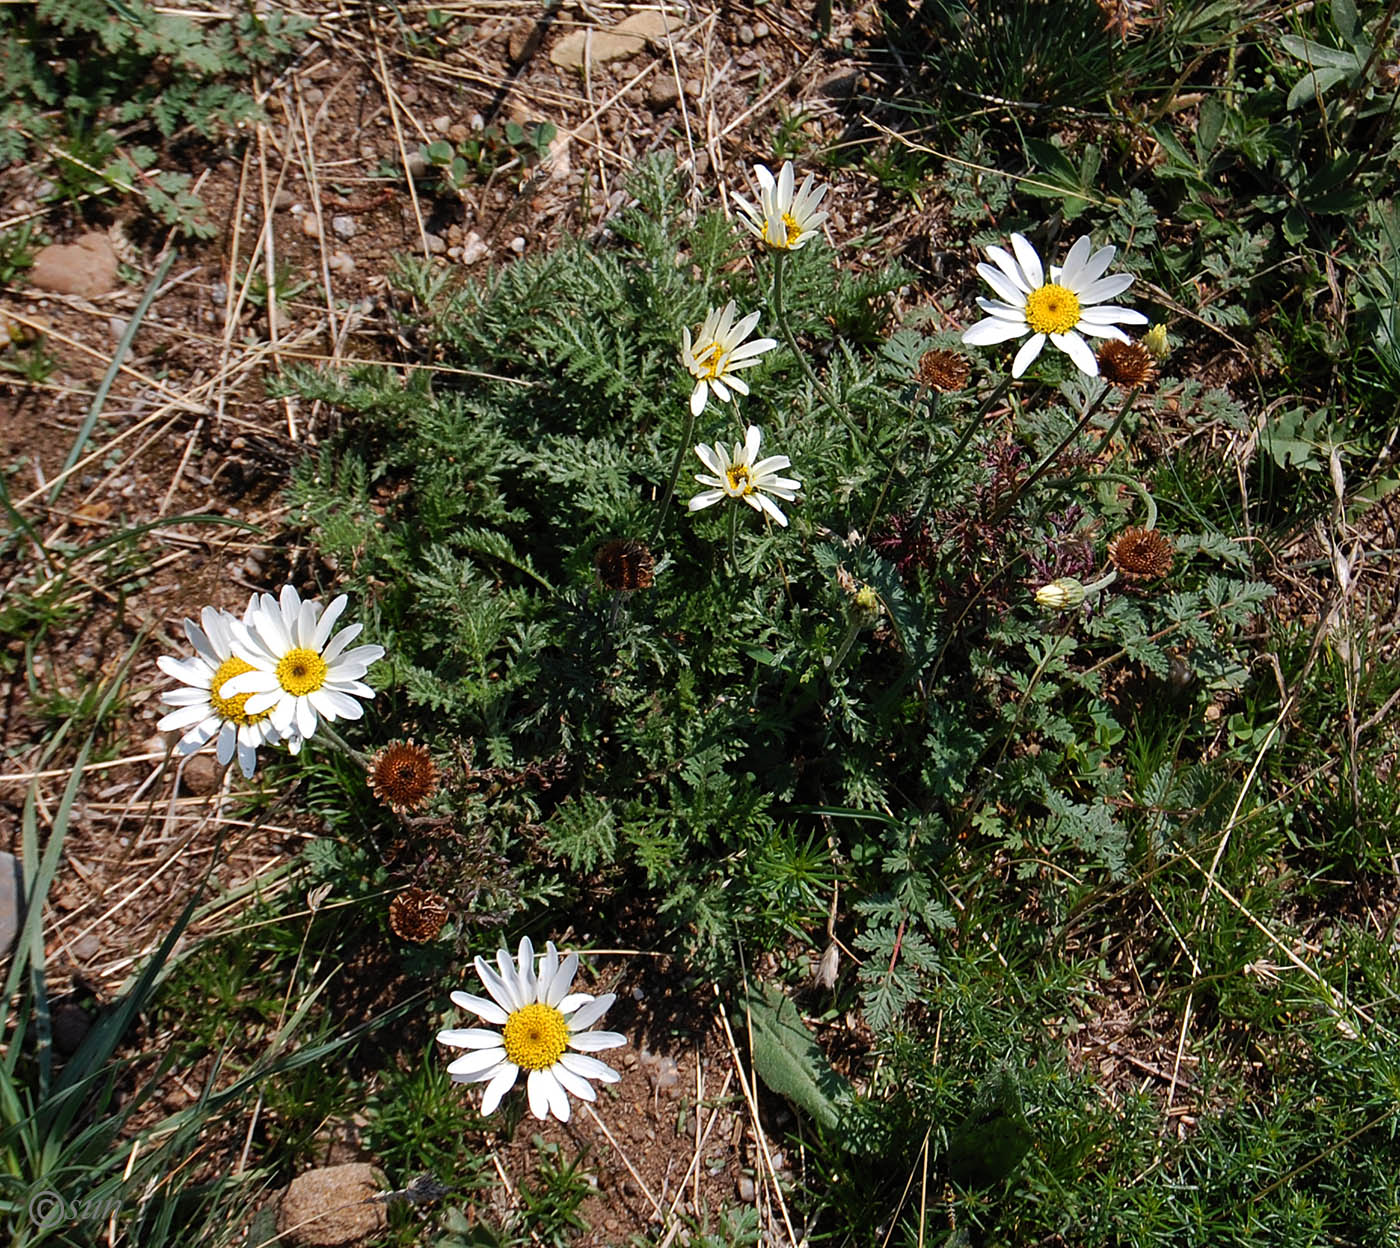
x=186, y=429
x=315, y=196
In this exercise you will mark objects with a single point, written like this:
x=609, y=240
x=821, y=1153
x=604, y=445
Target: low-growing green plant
x=90, y=86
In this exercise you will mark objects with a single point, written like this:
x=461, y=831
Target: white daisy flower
x=744, y=475
x=1059, y=309
x=717, y=350
x=295, y=669
x=783, y=220
x=201, y=708
x=540, y=1022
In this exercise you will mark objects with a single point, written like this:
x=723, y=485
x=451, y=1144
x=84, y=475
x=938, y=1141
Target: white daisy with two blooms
x=201, y=708
x=717, y=350
x=544, y=1030
x=743, y=475
x=1060, y=309
x=783, y=219
x=296, y=670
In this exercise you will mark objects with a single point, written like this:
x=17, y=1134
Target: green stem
x=675, y=472
x=336, y=739
x=852, y=629
x=780, y=315
x=733, y=532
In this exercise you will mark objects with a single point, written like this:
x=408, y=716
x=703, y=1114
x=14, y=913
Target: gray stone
x=332, y=1206
x=87, y=266
x=616, y=43
x=344, y=226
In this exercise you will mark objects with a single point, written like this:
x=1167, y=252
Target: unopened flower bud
x=1155, y=340
x=1061, y=595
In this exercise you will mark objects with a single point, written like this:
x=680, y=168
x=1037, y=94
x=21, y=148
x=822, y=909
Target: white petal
x=991, y=331
x=327, y=622
x=736, y=383
x=549, y=968
x=529, y=985
x=539, y=1091
x=1094, y=268
x=500, y=1084
x=1006, y=262
x=755, y=348
x=470, y=1038
x=714, y=458
x=343, y=639
x=752, y=438
x=560, y=982
x=1109, y=314
x=183, y=718
x=698, y=397
x=1105, y=288
x=481, y=1076
x=597, y=1041
x=1101, y=331
x=474, y=1061
x=589, y=1067
x=721, y=390
x=186, y=697
x=1078, y=350
x=706, y=499
x=591, y=1011
x=571, y=1082
x=1002, y=284
x=770, y=464
x=574, y=1001
x=187, y=671
x=305, y=717
x=1028, y=260
x=765, y=178
x=502, y=991
x=228, y=742
x=1027, y=354
x=256, y=681
x=767, y=504
x=247, y=758
x=481, y=1007
x=1071, y=272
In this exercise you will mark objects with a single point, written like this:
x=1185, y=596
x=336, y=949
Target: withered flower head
x=1141, y=554
x=943, y=370
x=417, y=915
x=624, y=564
x=403, y=776
x=1126, y=364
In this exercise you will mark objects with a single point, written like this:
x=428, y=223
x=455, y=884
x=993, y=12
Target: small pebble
x=442, y=124
x=517, y=245
x=760, y=30
x=435, y=244
x=283, y=200
x=309, y=226
x=747, y=1191
x=344, y=226
x=746, y=34
x=342, y=262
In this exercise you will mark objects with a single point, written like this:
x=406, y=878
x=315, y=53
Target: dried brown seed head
x=403, y=776
x=624, y=564
x=943, y=370
x=1141, y=554
x=1126, y=364
x=417, y=915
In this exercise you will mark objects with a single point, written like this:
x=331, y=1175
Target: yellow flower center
x=535, y=1036
x=301, y=671
x=740, y=479
x=794, y=231
x=1052, y=309
x=233, y=709
x=710, y=362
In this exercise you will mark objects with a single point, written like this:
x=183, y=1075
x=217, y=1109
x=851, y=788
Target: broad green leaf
x=788, y=1060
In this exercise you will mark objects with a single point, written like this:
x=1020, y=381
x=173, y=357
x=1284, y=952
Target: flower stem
x=336, y=739
x=780, y=315
x=733, y=543
x=675, y=473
